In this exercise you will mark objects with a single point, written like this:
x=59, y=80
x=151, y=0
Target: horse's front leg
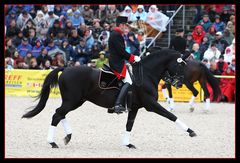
x=153, y=106
x=131, y=118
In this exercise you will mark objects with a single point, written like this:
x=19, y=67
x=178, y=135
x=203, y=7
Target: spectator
x=221, y=64
x=58, y=60
x=10, y=49
x=57, y=10
x=20, y=64
x=88, y=38
x=32, y=37
x=230, y=52
x=101, y=60
x=203, y=46
x=220, y=42
x=47, y=65
x=140, y=14
x=18, y=39
x=53, y=31
x=12, y=29
x=112, y=14
x=103, y=40
x=28, y=57
x=68, y=28
x=68, y=49
x=22, y=19
x=36, y=51
x=205, y=22
x=141, y=38
x=33, y=64
x=95, y=51
x=211, y=33
x=231, y=24
x=74, y=38
x=8, y=63
x=225, y=15
x=11, y=16
x=206, y=63
x=228, y=36
x=213, y=69
x=16, y=57
x=157, y=19
x=228, y=86
x=133, y=44
x=77, y=19
x=127, y=13
x=97, y=29
x=195, y=52
x=233, y=65
x=24, y=47
x=82, y=53
x=51, y=45
x=190, y=41
x=87, y=14
x=60, y=37
x=44, y=56
x=198, y=34
x=41, y=24
x=101, y=14
x=179, y=43
x=220, y=26
x=29, y=25
x=212, y=54
x=50, y=17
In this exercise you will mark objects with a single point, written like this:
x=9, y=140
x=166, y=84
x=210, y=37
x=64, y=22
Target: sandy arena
x=97, y=134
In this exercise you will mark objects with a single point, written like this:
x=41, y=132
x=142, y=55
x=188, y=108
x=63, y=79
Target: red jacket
x=198, y=36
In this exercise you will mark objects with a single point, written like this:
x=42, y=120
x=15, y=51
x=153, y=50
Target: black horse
x=80, y=84
x=196, y=71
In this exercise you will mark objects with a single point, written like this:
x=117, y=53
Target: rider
x=117, y=58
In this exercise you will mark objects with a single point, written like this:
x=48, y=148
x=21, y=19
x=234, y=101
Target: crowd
x=50, y=36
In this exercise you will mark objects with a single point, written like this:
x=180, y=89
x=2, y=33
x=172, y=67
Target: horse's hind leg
x=206, y=95
x=194, y=92
x=56, y=118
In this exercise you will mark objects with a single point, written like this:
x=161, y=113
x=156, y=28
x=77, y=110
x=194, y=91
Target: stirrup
x=119, y=108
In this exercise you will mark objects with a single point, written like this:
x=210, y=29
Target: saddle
x=108, y=80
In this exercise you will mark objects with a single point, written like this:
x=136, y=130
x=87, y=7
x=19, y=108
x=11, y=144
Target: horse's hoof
x=131, y=146
x=192, y=134
x=54, y=145
x=67, y=139
x=191, y=109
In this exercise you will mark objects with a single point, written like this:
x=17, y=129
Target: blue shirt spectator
x=220, y=25
x=36, y=51
x=24, y=47
x=77, y=19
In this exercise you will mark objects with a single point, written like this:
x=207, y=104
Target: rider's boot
x=119, y=106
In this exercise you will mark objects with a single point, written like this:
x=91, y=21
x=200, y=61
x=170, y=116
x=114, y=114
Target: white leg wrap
x=191, y=102
x=181, y=125
x=207, y=104
x=126, y=138
x=51, y=133
x=66, y=126
x=172, y=103
x=165, y=93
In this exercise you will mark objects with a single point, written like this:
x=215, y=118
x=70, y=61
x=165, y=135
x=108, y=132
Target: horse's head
x=176, y=71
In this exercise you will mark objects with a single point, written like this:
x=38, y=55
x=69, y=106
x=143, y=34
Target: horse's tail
x=213, y=82
x=50, y=81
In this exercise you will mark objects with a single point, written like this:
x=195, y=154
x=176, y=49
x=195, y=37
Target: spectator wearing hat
x=36, y=51
x=211, y=33
x=221, y=64
x=10, y=16
x=189, y=41
x=198, y=34
x=212, y=53
x=50, y=18
x=103, y=40
x=12, y=29
x=205, y=22
x=22, y=19
x=127, y=12
x=68, y=49
x=24, y=47
x=88, y=37
x=133, y=44
x=101, y=60
x=77, y=19
x=220, y=42
x=230, y=52
x=220, y=25
x=140, y=14
x=179, y=43
x=82, y=52
x=41, y=24
x=53, y=31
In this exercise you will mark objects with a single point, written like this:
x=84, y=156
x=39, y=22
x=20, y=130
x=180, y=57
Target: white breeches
x=127, y=79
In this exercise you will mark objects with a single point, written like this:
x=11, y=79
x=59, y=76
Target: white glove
x=137, y=58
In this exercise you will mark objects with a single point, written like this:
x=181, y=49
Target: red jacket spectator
x=227, y=85
x=198, y=34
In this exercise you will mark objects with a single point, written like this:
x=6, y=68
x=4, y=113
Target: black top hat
x=121, y=19
x=180, y=30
